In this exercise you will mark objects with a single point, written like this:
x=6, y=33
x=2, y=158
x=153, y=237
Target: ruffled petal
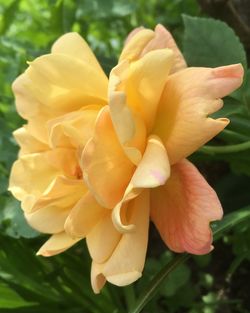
x=145, y=82
x=190, y=96
x=183, y=208
x=163, y=39
x=106, y=168
x=59, y=84
x=40, y=171
x=153, y=171
x=73, y=129
x=127, y=261
x=134, y=47
x=56, y=244
x=84, y=216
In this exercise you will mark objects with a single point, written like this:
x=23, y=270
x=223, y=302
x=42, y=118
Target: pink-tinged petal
x=84, y=216
x=56, y=244
x=152, y=171
x=73, y=129
x=163, y=39
x=97, y=279
x=27, y=142
x=133, y=33
x=106, y=168
x=127, y=261
x=73, y=45
x=183, y=208
x=103, y=239
x=190, y=96
x=136, y=44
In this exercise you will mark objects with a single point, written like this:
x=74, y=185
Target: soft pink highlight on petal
x=183, y=208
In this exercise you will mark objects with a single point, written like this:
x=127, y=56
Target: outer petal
x=190, y=96
x=163, y=39
x=60, y=84
x=73, y=45
x=183, y=208
x=84, y=216
x=56, y=244
x=49, y=219
x=40, y=170
x=27, y=142
x=134, y=47
x=106, y=168
x=127, y=261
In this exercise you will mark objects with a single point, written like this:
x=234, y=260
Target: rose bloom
x=101, y=157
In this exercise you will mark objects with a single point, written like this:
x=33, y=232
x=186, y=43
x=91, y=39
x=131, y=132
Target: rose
x=99, y=167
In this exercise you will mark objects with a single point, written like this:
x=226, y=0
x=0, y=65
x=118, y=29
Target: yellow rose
x=100, y=157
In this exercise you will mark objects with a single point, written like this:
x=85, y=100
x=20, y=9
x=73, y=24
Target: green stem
x=151, y=290
x=219, y=228
x=212, y=150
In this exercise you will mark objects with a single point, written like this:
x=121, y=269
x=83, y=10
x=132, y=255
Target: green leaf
x=9, y=16
x=211, y=43
x=13, y=222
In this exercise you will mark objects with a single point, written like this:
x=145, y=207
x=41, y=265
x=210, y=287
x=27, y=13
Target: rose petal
x=136, y=44
x=163, y=39
x=73, y=45
x=183, y=208
x=190, y=96
x=84, y=216
x=153, y=171
x=40, y=170
x=27, y=142
x=73, y=129
x=56, y=244
x=127, y=261
x=104, y=154
x=103, y=239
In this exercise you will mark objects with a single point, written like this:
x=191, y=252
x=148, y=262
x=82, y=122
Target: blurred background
x=215, y=283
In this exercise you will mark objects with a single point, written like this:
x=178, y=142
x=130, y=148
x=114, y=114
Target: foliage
x=209, y=284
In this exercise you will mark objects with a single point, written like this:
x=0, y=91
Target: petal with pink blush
x=136, y=44
x=106, y=168
x=190, y=96
x=183, y=208
x=163, y=39
x=56, y=244
x=84, y=216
